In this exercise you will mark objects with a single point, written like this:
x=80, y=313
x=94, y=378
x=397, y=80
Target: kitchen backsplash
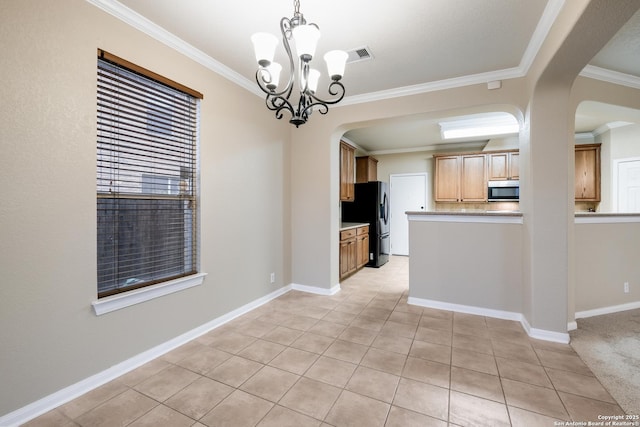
x=479, y=207
x=502, y=206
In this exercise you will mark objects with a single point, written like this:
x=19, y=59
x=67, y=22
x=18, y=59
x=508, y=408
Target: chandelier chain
x=296, y=7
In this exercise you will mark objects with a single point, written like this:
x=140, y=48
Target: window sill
x=116, y=302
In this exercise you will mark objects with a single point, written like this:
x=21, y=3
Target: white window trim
x=137, y=296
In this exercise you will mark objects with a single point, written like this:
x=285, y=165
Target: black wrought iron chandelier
x=305, y=37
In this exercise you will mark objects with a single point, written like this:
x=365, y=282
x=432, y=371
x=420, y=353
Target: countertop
x=350, y=225
x=603, y=214
x=516, y=216
x=466, y=213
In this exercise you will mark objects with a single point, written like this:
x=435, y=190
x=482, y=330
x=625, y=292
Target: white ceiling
x=417, y=45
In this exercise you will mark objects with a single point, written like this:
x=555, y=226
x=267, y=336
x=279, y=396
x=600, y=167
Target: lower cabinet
x=354, y=250
x=362, y=246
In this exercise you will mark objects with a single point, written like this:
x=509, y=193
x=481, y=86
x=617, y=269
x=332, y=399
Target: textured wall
x=50, y=336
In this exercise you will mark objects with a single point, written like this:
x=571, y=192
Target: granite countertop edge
x=349, y=225
x=604, y=214
x=466, y=213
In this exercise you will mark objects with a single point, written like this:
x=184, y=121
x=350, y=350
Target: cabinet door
x=498, y=166
x=514, y=165
x=363, y=250
x=366, y=169
x=587, y=173
x=503, y=166
x=473, y=182
x=352, y=254
x=344, y=258
x=447, y=179
x=347, y=171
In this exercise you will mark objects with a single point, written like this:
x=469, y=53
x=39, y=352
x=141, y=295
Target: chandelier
x=305, y=37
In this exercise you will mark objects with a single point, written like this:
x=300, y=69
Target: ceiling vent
x=359, y=54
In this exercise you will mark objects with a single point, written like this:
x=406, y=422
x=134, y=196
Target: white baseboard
x=540, y=334
x=41, y=406
x=607, y=310
x=468, y=309
x=572, y=326
x=543, y=334
x=316, y=290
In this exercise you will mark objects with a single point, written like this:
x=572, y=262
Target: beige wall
x=315, y=166
x=49, y=336
x=470, y=264
x=416, y=162
x=269, y=192
x=606, y=257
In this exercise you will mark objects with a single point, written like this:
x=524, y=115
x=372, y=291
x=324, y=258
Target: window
x=146, y=177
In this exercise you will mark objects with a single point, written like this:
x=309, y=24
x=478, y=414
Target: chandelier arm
x=332, y=91
x=263, y=77
x=322, y=108
x=277, y=104
x=285, y=29
x=323, y=103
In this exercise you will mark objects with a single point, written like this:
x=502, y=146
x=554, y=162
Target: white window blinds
x=146, y=178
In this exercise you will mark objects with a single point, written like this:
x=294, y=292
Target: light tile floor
x=363, y=357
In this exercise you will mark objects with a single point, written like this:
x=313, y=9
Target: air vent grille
x=359, y=54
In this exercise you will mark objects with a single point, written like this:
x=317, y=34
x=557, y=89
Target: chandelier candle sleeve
x=314, y=77
x=336, y=61
x=274, y=75
x=301, y=75
x=264, y=45
x=306, y=39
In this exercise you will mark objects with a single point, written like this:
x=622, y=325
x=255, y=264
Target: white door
x=408, y=192
x=628, y=192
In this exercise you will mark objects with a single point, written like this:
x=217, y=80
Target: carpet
x=610, y=346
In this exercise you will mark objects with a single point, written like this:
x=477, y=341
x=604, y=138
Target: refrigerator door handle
x=385, y=209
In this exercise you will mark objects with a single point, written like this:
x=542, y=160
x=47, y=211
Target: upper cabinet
x=587, y=173
x=504, y=165
x=473, y=178
x=464, y=177
x=347, y=171
x=366, y=169
x=460, y=178
x=447, y=178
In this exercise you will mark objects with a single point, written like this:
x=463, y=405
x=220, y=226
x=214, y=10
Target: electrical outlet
x=626, y=287
x=273, y=277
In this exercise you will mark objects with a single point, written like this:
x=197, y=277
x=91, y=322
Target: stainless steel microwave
x=504, y=191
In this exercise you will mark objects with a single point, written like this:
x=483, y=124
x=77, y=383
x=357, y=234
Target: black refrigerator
x=371, y=205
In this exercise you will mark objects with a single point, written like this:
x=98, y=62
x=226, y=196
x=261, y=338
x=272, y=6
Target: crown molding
x=481, y=78
x=610, y=76
x=139, y=22
x=469, y=145
x=547, y=19
x=549, y=16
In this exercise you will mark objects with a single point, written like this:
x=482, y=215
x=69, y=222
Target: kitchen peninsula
x=466, y=261
x=473, y=262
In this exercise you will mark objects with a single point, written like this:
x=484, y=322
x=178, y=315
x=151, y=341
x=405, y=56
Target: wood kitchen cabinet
x=460, y=178
x=503, y=165
x=362, y=246
x=354, y=250
x=587, y=172
x=366, y=169
x=347, y=172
